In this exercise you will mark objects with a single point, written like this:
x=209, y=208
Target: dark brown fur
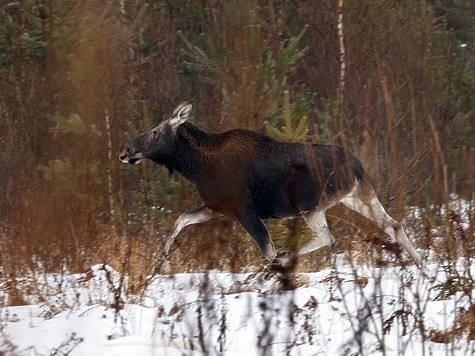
x=242, y=170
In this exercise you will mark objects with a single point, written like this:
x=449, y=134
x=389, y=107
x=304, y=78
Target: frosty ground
x=337, y=311
x=346, y=309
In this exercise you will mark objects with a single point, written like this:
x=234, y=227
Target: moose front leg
x=254, y=226
x=196, y=216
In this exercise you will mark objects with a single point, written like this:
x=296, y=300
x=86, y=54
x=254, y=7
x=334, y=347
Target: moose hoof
x=283, y=260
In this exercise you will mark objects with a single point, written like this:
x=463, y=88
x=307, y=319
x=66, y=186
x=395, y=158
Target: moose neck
x=190, y=142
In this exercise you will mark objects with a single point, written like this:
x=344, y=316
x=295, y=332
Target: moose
x=249, y=177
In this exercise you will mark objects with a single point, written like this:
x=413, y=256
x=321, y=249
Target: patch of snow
x=336, y=312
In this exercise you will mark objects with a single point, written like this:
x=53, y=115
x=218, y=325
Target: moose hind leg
x=196, y=216
x=322, y=235
x=373, y=210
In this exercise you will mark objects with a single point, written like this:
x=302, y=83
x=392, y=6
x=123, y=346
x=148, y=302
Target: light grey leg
x=374, y=211
x=196, y=216
x=322, y=235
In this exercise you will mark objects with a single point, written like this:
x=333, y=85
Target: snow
x=335, y=312
x=345, y=310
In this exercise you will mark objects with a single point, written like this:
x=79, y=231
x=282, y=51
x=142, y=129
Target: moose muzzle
x=127, y=155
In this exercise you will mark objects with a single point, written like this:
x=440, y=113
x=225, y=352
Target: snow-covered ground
x=333, y=312
x=345, y=310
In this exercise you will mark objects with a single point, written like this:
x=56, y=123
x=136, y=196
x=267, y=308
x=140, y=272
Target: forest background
x=391, y=80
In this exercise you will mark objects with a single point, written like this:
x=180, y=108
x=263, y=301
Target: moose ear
x=180, y=114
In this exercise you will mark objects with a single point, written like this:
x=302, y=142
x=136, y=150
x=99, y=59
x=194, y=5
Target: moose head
x=157, y=144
